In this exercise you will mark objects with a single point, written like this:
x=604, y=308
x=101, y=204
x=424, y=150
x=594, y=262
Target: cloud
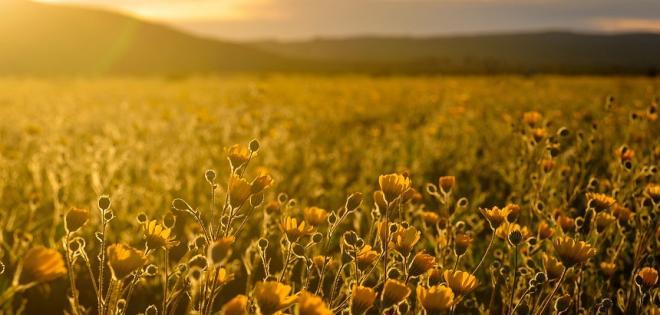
x=626, y=24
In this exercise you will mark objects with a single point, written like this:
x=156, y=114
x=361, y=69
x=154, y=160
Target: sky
x=305, y=19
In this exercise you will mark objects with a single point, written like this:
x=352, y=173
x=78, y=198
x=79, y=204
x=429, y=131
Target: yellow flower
x=293, y=230
x=603, y=220
x=547, y=165
x=545, y=231
x=393, y=185
x=157, y=236
x=421, y=263
x=531, y=119
x=608, y=268
x=394, y=293
x=571, y=252
x=41, y=264
x=237, y=155
x=362, y=299
x=404, y=239
x=496, y=216
x=621, y=213
x=653, y=192
x=565, y=222
x=435, y=276
x=272, y=297
x=310, y=304
x=505, y=229
x=220, y=249
x=600, y=202
x=222, y=276
x=315, y=216
x=514, y=212
x=366, y=256
x=461, y=243
x=430, y=218
x=447, y=183
x=435, y=299
x=647, y=277
x=239, y=191
x=260, y=183
x=460, y=282
x=236, y=306
x=553, y=267
x=75, y=219
x=538, y=133
x=124, y=259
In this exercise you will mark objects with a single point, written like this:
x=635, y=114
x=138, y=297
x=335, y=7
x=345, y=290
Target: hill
x=41, y=39
x=51, y=39
x=554, y=52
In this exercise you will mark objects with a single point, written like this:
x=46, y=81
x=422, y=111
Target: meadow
x=330, y=195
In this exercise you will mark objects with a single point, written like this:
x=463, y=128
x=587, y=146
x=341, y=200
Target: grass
x=157, y=149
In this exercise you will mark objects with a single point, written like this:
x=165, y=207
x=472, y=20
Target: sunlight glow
x=176, y=10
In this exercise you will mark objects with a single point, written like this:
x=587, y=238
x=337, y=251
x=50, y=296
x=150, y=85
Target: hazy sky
x=297, y=19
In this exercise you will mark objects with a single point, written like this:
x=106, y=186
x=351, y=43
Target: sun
x=172, y=10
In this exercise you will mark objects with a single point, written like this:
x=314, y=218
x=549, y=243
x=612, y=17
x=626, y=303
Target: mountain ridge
x=45, y=39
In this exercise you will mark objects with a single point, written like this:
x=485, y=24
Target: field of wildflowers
x=330, y=195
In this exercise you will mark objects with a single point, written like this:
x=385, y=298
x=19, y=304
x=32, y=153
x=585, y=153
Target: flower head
x=647, y=277
x=223, y=276
x=531, y=119
x=435, y=299
x=507, y=229
x=621, y=213
x=447, y=183
x=261, y=183
x=514, y=211
x=608, y=268
x=220, y=249
x=393, y=185
x=41, y=264
x=460, y=282
x=315, y=216
x=404, y=239
x=603, y=220
x=600, y=202
x=421, y=263
x=236, y=306
x=293, y=230
x=573, y=252
x=553, y=267
x=237, y=155
x=366, y=256
x=394, y=293
x=272, y=296
x=310, y=304
x=653, y=192
x=124, y=259
x=239, y=191
x=430, y=218
x=157, y=236
x=461, y=243
x=496, y=216
x=75, y=218
x=545, y=231
x=362, y=299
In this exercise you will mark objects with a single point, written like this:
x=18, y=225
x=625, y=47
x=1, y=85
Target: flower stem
x=549, y=298
x=483, y=258
x=515, y=278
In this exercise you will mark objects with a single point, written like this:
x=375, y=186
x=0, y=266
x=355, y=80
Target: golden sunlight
x=229, y=10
